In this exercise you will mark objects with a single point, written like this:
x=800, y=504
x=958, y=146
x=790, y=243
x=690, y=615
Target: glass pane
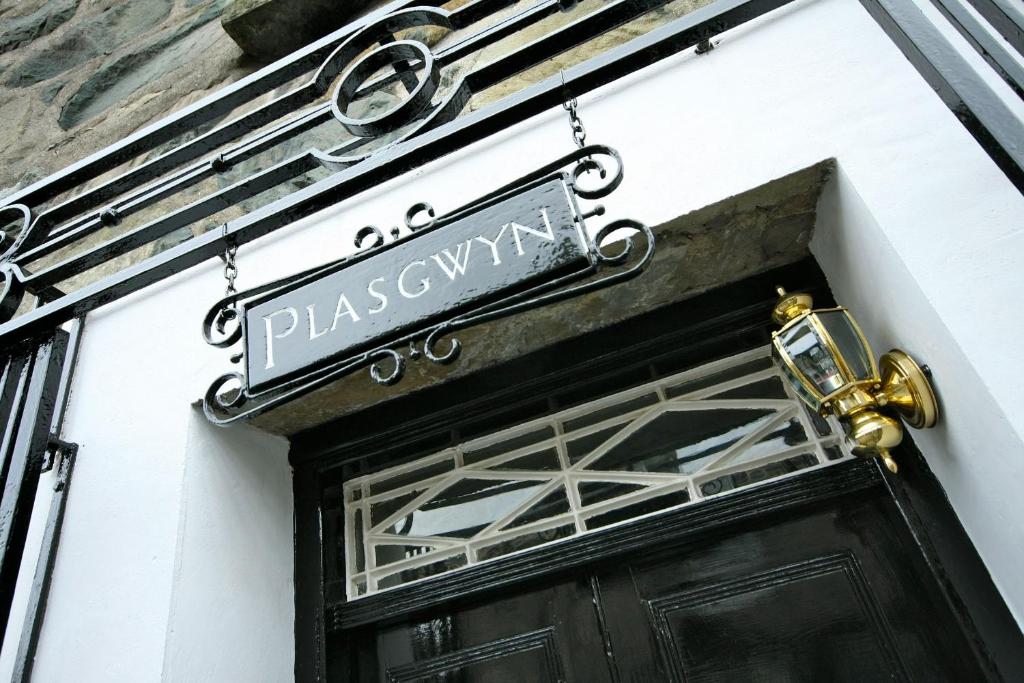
x=608, y=412
x=358, y=542
x=636, y=509
x=811, y=357
x=554, y=503
x=737, y=480
x=596, y=491
x=840, y=328
x=382, y=510
x=577, y=449
x=525, y=541
x=398, y=480
x=682, y=441
x=784, y=435
x=359, y=586
x=386, y=553
x=833, y=452
x=423, y=572
x=692, y=385
x=474, y=455
x=466, y=507
x=821, y=425
x=542, y=461
x=770, y=388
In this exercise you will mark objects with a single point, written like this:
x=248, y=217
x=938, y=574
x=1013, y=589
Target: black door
x=776, y=589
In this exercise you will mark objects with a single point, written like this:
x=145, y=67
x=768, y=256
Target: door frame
x=719, y=323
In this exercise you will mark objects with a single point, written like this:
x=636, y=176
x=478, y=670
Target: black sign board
x=472, y=259
x=521, y=247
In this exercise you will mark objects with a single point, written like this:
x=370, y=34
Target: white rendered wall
x=816, y=80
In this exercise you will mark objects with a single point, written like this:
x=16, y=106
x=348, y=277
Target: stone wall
x=78, y=75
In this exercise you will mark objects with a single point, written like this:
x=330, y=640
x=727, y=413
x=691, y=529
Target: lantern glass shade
x=853, y=349
x=814, y=366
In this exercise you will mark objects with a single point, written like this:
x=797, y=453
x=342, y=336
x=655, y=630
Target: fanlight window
x=700, y=434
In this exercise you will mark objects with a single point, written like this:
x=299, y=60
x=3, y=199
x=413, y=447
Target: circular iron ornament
x=224, y=402
x=363, y=236
x=397, y=370
x=591, y=166
x=390, y=54
x=414, y=211
x=430, y=347
x=222, y=326
x=26, y=220
x=361, y=56
x=619, y=257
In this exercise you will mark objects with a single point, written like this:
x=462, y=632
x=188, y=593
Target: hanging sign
x=521, y=247
x=475, y=257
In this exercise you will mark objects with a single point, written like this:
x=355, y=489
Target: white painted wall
x=232, y=602
x=938, y=223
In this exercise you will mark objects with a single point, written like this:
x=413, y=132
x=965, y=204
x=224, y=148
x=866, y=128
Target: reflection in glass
x=811, y=357
x=466, y=507
x=737, y=480
x=359, y=544
x=417, y=475
x=432, y=569
x=596, y=491
x=543, y=461
x=577, y=449
x=682, y=441
x=385, y=553
x=382, y=510
x=840, y=327
x=731, y=373
x=606, y=413
x=784, y=435
x=525, y=541
x=472, y=455
x=551, y=505
x=770, y=388
x=630, y=511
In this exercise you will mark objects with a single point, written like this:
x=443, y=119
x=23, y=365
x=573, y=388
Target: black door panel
x=548, y=633
x=833, y=591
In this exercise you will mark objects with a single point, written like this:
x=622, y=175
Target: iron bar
x=992, y=50
x=40, y=589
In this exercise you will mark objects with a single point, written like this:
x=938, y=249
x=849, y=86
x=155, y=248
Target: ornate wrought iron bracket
x=589, y=173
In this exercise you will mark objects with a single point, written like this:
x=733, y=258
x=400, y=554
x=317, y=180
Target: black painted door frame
x=721, y=322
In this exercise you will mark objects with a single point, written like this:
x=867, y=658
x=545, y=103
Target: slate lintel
x=271, y=29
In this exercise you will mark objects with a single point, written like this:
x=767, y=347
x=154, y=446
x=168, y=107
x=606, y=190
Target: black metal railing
x=248, y=160
x=33, y=393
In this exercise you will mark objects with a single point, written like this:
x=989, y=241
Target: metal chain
x=579, y=133
x=230, y=268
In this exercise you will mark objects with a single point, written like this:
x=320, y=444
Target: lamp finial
x=790, y=306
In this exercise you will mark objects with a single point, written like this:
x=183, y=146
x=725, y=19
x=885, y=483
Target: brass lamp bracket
x=906, y=389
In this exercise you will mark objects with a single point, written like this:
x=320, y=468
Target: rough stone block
x=271, y=29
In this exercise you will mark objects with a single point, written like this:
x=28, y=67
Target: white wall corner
x=974, y=450
x=232, y=610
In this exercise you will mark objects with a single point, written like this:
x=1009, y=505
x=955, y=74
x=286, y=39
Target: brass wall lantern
x=827, y=359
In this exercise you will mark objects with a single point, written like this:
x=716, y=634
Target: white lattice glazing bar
x=673, y=442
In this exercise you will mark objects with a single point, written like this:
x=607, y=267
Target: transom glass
x=699, y=434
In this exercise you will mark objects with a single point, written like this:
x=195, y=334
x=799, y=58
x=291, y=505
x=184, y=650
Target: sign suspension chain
x=230, y=269
x=579, y=137
x=230, y=274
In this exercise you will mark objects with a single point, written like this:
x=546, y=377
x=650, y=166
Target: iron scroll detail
x=618, y=251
